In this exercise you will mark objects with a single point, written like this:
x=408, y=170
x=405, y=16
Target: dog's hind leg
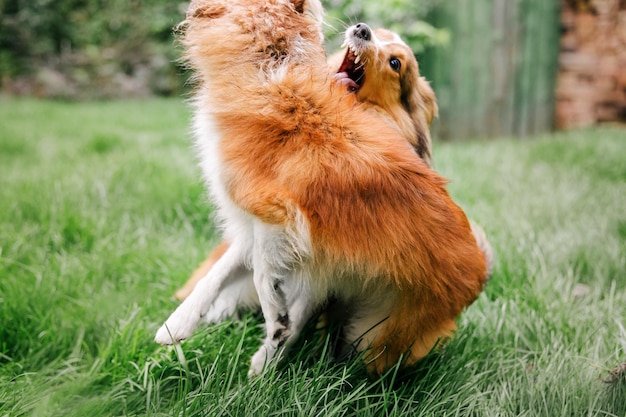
x=184, y=320
x=282, y=332
x=275, y=262
x=276, y=315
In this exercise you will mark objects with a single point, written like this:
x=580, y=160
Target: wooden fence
x=497, y=75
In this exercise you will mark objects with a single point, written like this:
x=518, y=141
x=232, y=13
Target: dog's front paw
x=257, y=363
x=179, y=326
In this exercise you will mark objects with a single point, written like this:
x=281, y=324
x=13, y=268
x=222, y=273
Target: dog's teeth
x=344, y=44
x=358, y=58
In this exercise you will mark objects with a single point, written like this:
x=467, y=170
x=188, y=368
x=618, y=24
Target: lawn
x=103, y=214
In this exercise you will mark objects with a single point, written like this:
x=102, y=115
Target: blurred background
x=498, y=67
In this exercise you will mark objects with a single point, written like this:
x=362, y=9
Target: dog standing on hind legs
x=318, y=195
x=382, y=72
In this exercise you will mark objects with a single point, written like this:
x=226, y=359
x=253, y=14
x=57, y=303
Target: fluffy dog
x=381, y=70
x=318, y=194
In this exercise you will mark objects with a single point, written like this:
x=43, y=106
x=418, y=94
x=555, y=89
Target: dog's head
x=383, y=72
x=223, y=35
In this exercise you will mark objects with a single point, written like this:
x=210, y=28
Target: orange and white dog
x=319, y=195
x=381, y=70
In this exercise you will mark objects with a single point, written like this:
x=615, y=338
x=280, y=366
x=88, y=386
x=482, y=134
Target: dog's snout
x=361, y=30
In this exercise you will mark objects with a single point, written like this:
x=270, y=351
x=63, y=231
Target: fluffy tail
x=484, y=245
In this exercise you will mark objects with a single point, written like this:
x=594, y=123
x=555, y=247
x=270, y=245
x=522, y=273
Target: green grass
x=103, y=214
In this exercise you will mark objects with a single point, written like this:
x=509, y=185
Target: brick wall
x=591, y=83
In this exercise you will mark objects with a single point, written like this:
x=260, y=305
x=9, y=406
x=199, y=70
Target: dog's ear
x=201, y=10
x=428, y=98
x=418, y=99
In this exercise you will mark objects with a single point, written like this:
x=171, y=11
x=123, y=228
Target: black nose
x=361, y=30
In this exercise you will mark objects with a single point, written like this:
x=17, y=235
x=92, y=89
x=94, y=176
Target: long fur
x=319, y=195
x=404, y=98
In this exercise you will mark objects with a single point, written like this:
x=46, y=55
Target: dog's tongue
x=344, y=79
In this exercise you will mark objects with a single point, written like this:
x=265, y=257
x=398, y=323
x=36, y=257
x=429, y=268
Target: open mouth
x=351, y=73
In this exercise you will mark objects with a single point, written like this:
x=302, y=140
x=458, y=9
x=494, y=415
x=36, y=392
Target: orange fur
x=293, y=144
x=382, y=91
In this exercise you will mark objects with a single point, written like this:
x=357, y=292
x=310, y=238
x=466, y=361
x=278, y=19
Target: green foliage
x=90, y=47
x=48, y=27
x=103, y=214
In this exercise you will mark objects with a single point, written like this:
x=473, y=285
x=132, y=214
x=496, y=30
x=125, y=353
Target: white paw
x=257, y=363
x=179, y=326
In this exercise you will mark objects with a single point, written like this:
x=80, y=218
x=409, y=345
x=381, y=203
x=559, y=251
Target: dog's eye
x=395, y=64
